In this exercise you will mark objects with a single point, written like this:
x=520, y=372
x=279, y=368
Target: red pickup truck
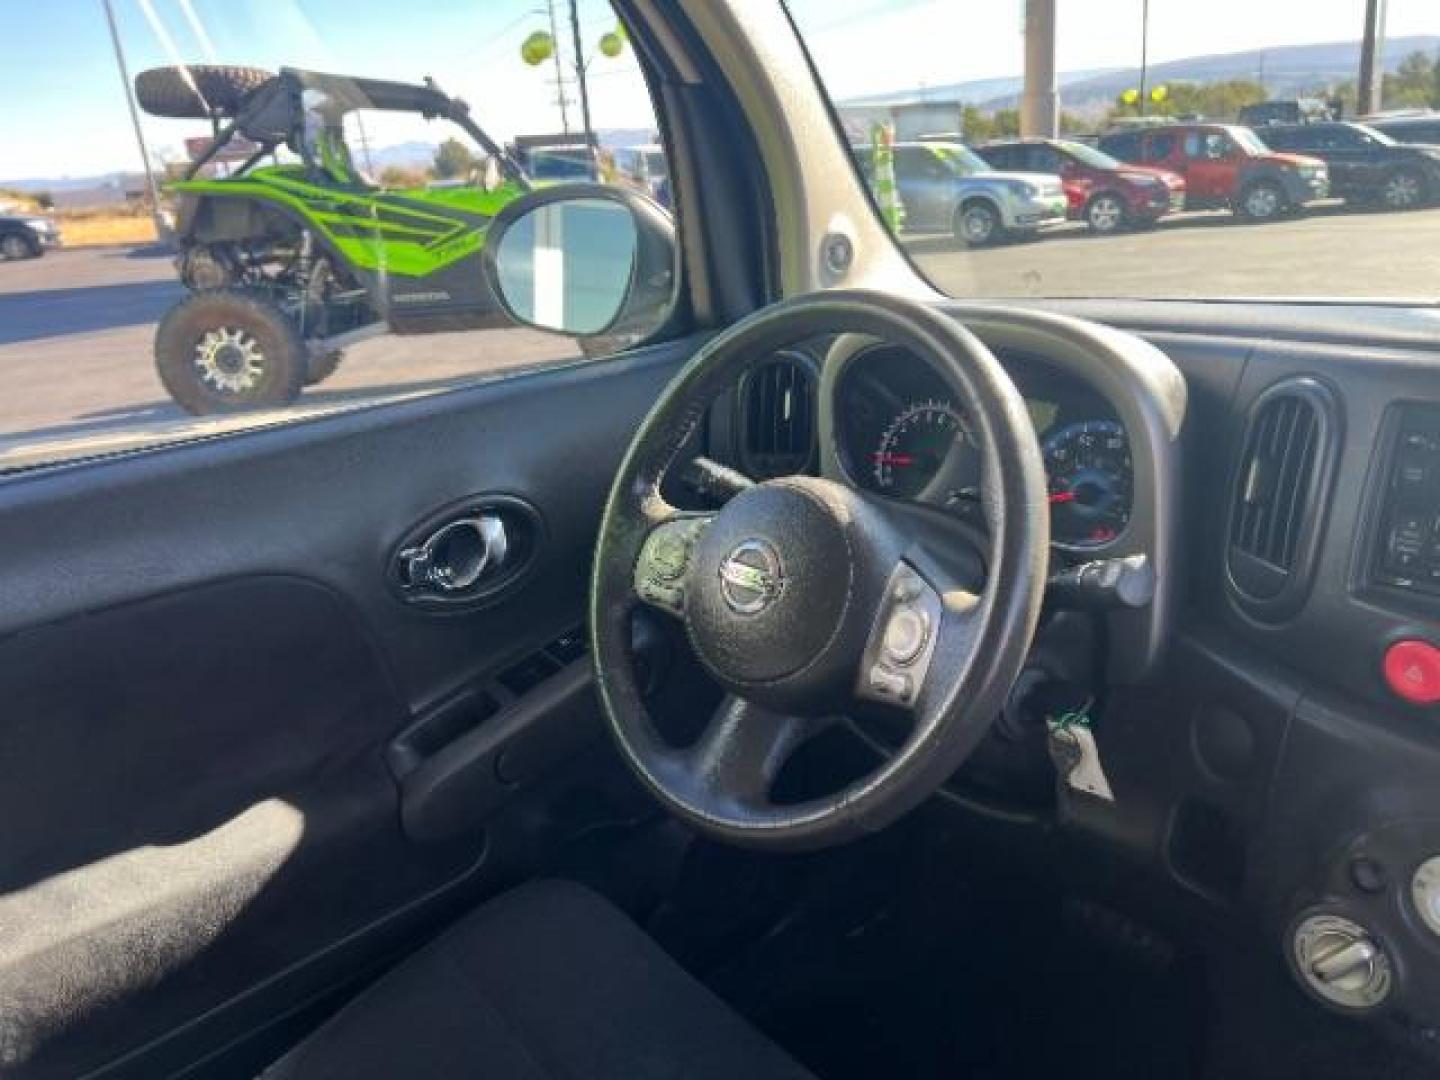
x=1225, y=165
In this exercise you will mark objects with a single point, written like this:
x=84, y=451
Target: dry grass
x=87, y=228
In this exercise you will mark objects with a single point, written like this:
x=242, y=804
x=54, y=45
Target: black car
x=1366, y=165
x=26, y=236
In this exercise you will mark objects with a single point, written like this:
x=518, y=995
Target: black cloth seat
x=547, y=981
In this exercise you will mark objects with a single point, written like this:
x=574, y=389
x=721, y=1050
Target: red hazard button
x=1412, y=669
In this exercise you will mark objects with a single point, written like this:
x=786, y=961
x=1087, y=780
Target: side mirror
x=588, y=260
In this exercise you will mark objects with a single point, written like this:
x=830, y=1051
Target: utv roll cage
x=274, y=115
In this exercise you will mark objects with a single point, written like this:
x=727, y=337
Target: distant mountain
x=1286, y=72
x=971, y=92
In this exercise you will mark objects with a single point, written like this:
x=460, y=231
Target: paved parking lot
x=76, y=326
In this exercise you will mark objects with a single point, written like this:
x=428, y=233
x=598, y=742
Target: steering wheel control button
x=893, y=685
x=902, y=641
x=1412, y=671
x=906, y=635
x=664, y=562
x=1425, y=892
x=1341, y=963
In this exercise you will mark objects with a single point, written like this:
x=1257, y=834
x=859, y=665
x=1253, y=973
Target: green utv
x=288, y=263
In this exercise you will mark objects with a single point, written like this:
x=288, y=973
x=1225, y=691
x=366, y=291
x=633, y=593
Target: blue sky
x=61, y=112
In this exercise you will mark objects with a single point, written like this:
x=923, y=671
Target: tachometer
x=914, y=446
x=1091, y=481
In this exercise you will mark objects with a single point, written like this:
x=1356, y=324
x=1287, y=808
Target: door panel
x=204, y=664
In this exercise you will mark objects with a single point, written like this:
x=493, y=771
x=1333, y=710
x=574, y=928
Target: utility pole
x=580, y=75
x=559, y=66
x=1144, y=53
x=1040, y=102
x=1372, y=69
x=161, y=229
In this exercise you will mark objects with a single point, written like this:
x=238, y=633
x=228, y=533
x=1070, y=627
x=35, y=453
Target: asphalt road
x=76, y=327
x=77, y=373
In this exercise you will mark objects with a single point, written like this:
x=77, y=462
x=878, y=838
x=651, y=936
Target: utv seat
x=546, y=981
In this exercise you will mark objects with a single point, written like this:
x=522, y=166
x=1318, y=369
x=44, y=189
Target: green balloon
x=612, y=45
x=537, y=48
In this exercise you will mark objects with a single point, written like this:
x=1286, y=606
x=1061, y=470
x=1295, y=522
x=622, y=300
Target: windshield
x=1249, y=141
x=1088, y=155
x=1159, y=84
x=963, y=160
x=1376, y=134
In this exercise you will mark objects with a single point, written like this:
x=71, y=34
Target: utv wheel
x=1404, y=189
x=197, y=91
x=1262, y=201
x=977, y=224
x=229, y=351
x=1105, y=214
x=14, y=246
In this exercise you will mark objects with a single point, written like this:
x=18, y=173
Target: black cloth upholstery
x=547, y=981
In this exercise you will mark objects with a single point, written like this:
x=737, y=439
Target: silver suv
x=947, y=187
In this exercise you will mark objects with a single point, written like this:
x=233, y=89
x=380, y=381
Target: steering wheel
x=804, y=597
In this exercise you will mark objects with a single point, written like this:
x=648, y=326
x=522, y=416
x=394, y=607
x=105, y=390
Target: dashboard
x=900, y=433
x=1269, y=725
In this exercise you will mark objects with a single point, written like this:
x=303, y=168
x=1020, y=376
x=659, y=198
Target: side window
x=1218, y=147
x=1125, y=146
x=1044, y=159
x=1160, y=146
x=329, y=249
x=1002, y=157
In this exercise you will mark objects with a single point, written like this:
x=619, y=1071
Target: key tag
x=1076, y=754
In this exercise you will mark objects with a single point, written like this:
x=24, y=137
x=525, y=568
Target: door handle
x=456, y=557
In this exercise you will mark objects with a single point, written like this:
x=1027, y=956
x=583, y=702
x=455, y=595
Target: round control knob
x=906, y=635
x=1425, y=892
x=1341, y=963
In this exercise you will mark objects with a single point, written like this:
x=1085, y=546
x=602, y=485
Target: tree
x=453, y=159
x=1412, y=84
x=1214, y=101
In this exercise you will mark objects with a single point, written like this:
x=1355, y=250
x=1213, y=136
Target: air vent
x=1282, y=484
x=777, y=421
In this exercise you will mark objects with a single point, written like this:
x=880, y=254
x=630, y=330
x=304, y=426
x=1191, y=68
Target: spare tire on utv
x=228, y=351
x=197, y=91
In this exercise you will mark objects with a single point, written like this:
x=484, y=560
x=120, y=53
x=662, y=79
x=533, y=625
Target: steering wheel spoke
x=744, y=747
x=666, y=559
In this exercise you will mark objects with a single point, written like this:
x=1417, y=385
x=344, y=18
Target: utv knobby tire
x=282, y=359
x=167, y=92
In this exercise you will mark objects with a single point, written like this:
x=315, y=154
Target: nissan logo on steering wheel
x=750, y=578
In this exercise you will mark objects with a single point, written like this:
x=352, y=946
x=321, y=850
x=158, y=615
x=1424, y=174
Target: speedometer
x=914, y=446
x=1091, y=482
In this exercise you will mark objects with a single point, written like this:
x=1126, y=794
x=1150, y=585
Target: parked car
x=947, y=187
x=1366, y=165
x=1418, y=128
x=1106, y=194
x=1225, y=165
x=27, y=236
